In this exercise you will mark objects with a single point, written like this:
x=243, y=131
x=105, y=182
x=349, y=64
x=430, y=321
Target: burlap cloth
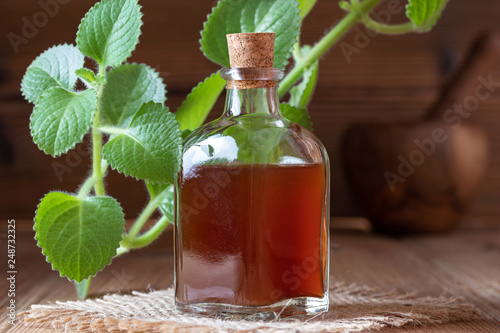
x=352, y=309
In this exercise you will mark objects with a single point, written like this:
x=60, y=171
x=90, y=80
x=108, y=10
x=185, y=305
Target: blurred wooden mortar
x=420, y=177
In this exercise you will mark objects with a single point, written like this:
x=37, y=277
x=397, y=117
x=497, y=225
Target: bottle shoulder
x=253, y=139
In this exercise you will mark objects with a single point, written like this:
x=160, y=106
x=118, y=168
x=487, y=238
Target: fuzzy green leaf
x=305, y=7
x=186, y=133
x=278, y=16
x=78, y=236
x=425, y=13
x=149, y=148
x=301, y=94
x=257, y=143
x=197, y=105
x=86, y=74
x=167, y=202
x=127, y=88
x=110, y=31
x=53, y=68
x=297, y=115
x=61, y=118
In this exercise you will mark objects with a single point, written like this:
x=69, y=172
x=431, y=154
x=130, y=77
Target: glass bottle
x=252, y=203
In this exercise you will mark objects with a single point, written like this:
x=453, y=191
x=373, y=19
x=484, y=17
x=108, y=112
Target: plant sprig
x=81, y=233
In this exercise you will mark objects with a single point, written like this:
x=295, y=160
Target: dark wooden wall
x=392, y=78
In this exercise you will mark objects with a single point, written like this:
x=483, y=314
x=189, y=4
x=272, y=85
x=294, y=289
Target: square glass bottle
x=252, y=202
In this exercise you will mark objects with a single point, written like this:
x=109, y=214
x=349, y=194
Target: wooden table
x=465, y=263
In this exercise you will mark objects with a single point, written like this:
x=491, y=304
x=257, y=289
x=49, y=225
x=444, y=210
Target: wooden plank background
x=391, y=79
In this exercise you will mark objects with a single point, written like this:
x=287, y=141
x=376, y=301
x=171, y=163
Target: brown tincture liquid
x=251, y=234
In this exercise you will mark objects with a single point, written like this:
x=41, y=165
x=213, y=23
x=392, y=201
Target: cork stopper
x=251, y=50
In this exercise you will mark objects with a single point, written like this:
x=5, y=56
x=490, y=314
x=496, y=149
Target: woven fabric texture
x=353, y=308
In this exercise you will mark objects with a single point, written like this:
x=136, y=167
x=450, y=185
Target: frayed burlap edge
x=352, y=309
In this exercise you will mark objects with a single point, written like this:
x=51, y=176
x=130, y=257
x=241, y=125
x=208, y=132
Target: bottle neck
x=262, y=101
x=252, y=91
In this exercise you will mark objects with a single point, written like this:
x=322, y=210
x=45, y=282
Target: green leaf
x=78, y=236
x=53, y=68
x=61, y=118
x=345, y=5
x=185, y=133
x=301, y=94
x=110, y=31
x=196, y=107
x=149, y=148
x=167, y=201
x=127, y=88
x=305, y=7
x=86, y=74
x=256, y=144
x=278, y=16
x=297, y=115
x=425, y=13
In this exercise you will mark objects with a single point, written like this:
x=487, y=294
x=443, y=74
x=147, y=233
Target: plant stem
x=296, y=52
x=143, y=218
x=82, y=288
x=86, y=187
x=97, y=157
x=386, y=28
x=97, y=165
x=149, y=236
x=121, y=250
x=325, y=43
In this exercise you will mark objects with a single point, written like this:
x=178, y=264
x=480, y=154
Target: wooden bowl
x=414, y=177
